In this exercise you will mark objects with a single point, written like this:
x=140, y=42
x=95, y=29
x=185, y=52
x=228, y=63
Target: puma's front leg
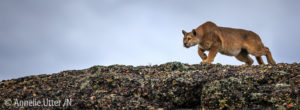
x=212, y=54
x=202, y=54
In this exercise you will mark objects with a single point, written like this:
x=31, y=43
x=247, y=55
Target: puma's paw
x=206, y=61
x=244, y=65
x=205, y=57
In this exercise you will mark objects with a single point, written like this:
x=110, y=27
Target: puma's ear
x=194, y=32
x=183, y=32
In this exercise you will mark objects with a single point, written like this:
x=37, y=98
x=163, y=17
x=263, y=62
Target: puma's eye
x=188, y=38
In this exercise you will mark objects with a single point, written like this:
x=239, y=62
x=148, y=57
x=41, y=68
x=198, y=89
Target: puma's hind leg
x=259, y=51
x=269, y=56
x=259, y=60
x=244, y=57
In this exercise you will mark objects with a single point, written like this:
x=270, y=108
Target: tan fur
x=228, y=41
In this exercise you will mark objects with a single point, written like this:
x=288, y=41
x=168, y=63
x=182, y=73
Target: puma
x=228, y=41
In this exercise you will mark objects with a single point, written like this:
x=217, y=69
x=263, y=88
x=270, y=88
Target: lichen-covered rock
x=170, y=85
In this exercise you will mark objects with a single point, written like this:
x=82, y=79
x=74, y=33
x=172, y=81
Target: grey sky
x=39, y=36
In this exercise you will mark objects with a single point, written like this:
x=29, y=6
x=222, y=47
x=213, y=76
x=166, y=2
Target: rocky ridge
x=171, y=85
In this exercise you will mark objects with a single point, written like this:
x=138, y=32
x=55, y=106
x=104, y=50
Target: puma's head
x=190, y=38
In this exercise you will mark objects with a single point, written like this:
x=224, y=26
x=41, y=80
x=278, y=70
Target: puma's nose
x=185, y=45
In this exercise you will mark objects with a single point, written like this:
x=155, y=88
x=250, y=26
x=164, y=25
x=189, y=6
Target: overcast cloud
x=44, y=37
